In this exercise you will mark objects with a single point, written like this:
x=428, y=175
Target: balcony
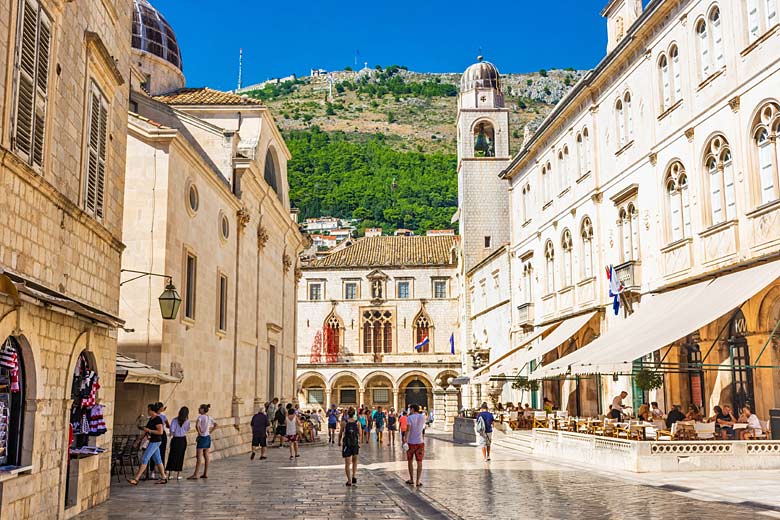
x=525, y=315
x=630, y=275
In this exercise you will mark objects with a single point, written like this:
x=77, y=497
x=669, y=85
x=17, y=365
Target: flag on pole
x=615, y=288
x=422, y=344
x=452, y=343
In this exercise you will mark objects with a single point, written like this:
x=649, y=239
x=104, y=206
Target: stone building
x=364, y=309
x=63, y=120
x=661, y=162
x=207, y=207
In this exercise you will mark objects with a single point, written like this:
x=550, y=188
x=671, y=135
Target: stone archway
x=415, y=388
x=345, y=389
x=379, y=390
x=312, y=390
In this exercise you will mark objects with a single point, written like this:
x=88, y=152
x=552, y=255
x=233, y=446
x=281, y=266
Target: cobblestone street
x=456, y=485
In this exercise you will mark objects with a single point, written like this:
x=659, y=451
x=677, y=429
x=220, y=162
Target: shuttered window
x=32, y=72
x=95, y=178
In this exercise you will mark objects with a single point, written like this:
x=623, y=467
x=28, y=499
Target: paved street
x=456, y=485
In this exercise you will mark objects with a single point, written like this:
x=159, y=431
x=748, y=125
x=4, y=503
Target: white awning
x=661, y=320
x=483, y=374
x=566, y=330
x=133, y=371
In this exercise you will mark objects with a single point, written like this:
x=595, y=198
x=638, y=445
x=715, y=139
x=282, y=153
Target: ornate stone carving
x=242, y=215
x=597, y=197
x=734, y=104
x=286, y=263
x=299, y=275
x=653, y=158
x=262, y=237
x=689, y=134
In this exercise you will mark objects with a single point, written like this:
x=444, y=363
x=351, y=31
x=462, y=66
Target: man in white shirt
x=617, y=405
x=657, y=412
x=414, y=439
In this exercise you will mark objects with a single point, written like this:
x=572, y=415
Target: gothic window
x=528, y=285
x=484, y=140
x=620, y=122
x=586, y=232
x=629, y=128
x=762, y=16
x=526, y=203
x=628, y=224
x=565, y=168
x=702, y=41
x=333, y=331
x=567, y=246
x=765, y=129
x=580, y=155
x=547, y=182
x=586, y=149
x=669, y=78
x=720, y=175
x=678, y=202
x=549, y=256
x=422, y=330
x=718, y=56
x=674, y=67
x=666, y=82
x=377, y=331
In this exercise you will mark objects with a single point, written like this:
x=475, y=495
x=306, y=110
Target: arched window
x=765, y=129
x=549, y=256
x=620, y=123
x=528, y=284
x=333, y=331
x=678, y=201
x=586, y=232
x=422, y=330
x=580, y=155
x=762, y=16
x=629, y=116
x=566, y=165
x=703, y=45
x=665, y=82
x=377, y=331
x=720, y=174
x=567, y=246
x=547, y=183
x=484, y=140
x=526, y=202
x=13, y=390
x=270, y=171
x=628, y=222
x=718, y=56
x=586, y=149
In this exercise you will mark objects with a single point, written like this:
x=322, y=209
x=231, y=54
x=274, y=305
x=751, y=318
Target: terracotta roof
x=393, y=251
x=204, y=96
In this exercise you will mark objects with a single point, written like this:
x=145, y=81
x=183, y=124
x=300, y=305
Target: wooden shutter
x=96, y=153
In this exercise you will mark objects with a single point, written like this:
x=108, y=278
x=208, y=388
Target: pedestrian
x=280, y=420
x=333, y=419
x=153, y=432
x=204, y=425
x=415, y=444
x=314, y=417
x=379, y=421
x=292, y=425
x=259, y=424
x=270, y=411
x=363, y=420
x=402, y=424
x=370, y=421
x=166, y=425
x=483, y=427
x=180, y=425
x=392, y=426
x=349, y=440
x=616, y=412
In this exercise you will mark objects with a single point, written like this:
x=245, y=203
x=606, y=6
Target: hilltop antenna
x=240, y=66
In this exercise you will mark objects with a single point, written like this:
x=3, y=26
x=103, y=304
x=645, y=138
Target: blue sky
x=280, y=38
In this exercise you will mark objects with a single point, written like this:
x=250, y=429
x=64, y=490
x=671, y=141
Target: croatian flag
x=421, y=344
x=615, y=288
x=452, y=343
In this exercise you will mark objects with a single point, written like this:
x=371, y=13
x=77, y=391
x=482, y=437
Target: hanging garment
x=90, y=399
x=9, y=360
x=97, y=425
x=84, y=424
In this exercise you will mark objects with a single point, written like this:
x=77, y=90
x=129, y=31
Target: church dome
x=482, y=74
x=153, y=34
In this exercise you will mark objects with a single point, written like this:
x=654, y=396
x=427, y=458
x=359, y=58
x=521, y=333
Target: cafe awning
x=567, y=329
x=662, y=319
x=130, y=370
x=508, y=359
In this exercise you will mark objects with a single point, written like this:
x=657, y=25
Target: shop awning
x=661, y=320
x=131, y=370
x=507, y=360
x=565, y=330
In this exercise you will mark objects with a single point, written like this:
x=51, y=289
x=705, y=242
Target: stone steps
x=519, y=441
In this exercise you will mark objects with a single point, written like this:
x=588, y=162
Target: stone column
x=362, y=397
x=450, y=407
x=439, y=408
x=327, y=398
x=395, y=400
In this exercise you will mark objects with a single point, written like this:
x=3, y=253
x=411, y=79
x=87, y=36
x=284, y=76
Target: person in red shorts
x=416, y=444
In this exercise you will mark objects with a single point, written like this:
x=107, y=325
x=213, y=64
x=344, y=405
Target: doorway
x=416, y=393
x=741, y=373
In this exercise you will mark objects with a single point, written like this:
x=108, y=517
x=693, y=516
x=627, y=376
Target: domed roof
x=152, y=34
x=482, y=74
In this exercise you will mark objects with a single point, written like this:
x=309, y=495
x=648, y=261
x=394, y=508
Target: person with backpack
x=392, y=426
x=333, y=419
x=281, y=428
x=379, y=423
x=349, y=440
x=483, y=427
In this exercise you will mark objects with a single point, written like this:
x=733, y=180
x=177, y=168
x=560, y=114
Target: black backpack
x=351, y=435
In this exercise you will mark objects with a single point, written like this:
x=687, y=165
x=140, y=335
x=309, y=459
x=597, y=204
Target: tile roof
x=204, y=96
x=393, y=251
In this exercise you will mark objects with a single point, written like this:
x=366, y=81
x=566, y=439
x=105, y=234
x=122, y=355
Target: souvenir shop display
x=10, y=402
x=86, y=414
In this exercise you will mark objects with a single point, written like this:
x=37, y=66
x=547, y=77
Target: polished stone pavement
x=457, y=485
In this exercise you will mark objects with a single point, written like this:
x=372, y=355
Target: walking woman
x=153, y=430
x=180, y=425
x=166, y=425
x=349, y=440
x=392, y=426
x=292, y=426
x=363, y=420
x=204, y=425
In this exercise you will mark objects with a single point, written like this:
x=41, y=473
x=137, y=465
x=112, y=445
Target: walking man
x=483, y=427
x=402, y=423
x=416, y=444
x=379, y=423
x=259, y=434
x=333, y=420
x=280, y=419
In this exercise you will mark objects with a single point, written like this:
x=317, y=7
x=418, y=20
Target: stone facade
x=59, y=255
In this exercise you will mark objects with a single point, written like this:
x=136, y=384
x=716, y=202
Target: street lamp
x=170, y=301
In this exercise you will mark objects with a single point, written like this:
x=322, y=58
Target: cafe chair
x=704, y=431
x=540, y=419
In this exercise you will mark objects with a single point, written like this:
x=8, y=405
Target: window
x=224, y=227
x=348, y=396
x=563, y=165
x=548, y=186
x=549, y=255
x=422, y=331
x=528, y=283
x=566, y=245
x=332, y=337
x=765, y=128
x=377, y=331
x=762, y=16
x=678, y=202
x=718, y=56
x=269, y=170
x=628, y=222
x=674, y=57
x=95, y=177
x=223, y=303
x=32, y=69
x=586, y=232
x=380, y=395
x=315, y=291
x=629, y=116
x=350, y=290
x=484, y=140
x=403, y=290
x=440, y=289
x=190, y=285
x=624, y=120
x=12, y=404
x=586, y=149
x=702, y=39
x=315, y=396
x=487, y=242
x=709, y=39
x=193, y=199
x=720, y=175
x=666, y=83
x=526, y=202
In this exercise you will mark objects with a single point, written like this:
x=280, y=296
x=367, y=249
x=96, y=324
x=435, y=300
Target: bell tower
x=483, y=153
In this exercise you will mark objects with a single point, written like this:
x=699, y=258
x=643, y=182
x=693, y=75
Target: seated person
x=644, y=413
x=674, y=416
x=548, y=406
x=724, y=420
x=657, y=412
x=754, y=425
x=694, y=414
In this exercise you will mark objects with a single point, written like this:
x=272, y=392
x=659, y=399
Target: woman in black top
x=349, y=439
x=154, y=431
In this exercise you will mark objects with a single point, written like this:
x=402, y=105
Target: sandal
x=349, y=484
x=419, y=484
x=192, y=477
x=162, y=481
x=132, y=482
x=410, y=482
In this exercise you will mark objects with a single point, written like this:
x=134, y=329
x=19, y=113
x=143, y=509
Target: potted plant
x=648, y=379
x=523, y=383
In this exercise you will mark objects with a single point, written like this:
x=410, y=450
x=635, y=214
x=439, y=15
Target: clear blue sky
x=280, y=38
